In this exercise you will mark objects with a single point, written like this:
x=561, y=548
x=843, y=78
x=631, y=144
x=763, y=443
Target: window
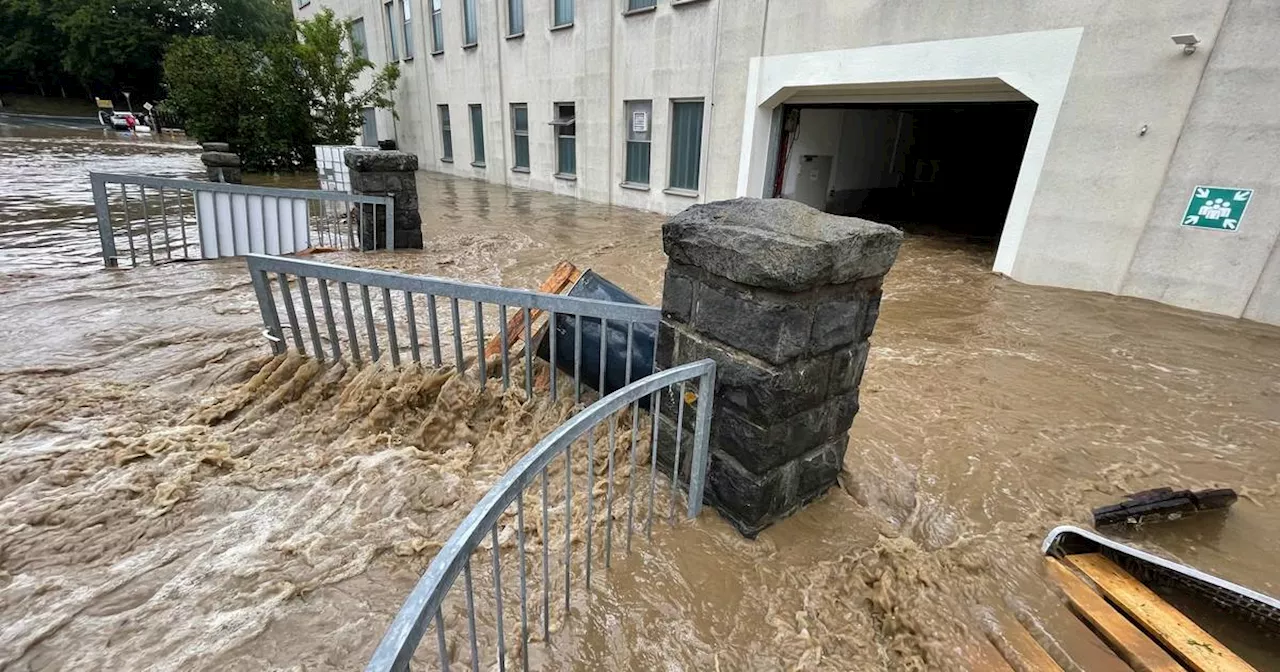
x=563, y=14
x=369, y=127
x=515, y=17
x=468, y=23
x=437, y=28
x=566, y=140
x=520, y=135
x=639, y=120
x=634, y=5
x=393, y=54
x=359, y=45
x=446, y=134
x=477, y=136
x=406, y=9
x=686, y=144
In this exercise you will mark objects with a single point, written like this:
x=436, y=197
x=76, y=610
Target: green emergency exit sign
x=1219, y=208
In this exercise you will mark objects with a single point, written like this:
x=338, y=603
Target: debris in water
x=1161, y=504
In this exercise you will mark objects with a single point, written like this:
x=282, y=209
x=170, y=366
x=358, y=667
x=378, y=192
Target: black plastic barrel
x=592, y=286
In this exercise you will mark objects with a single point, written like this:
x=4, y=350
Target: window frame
x=516, y=135
x=437, y=27
x=389, y=14
x=363, y=42
x=470, y=20
x=630, y=107
x=555, y=9
x=629, y=7
x=515, y=8
x=672, y=188
x=446, y=133
x=406, y=23
x=475, y=113
x=559, y=123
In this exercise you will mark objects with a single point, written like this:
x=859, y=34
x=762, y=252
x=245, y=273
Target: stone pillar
x=220, y=164
x=784, y=298
x=387, y=173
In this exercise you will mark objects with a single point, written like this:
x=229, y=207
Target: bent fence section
x=386, y=311
x=424, y=607
x=145, y=219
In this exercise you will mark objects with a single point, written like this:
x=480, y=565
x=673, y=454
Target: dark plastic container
x=592, y=286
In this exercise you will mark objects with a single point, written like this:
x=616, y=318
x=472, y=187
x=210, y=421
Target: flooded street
x=173, y=498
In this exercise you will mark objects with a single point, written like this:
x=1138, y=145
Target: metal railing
x=187, y=219
x=391, y=325
x=425, y=606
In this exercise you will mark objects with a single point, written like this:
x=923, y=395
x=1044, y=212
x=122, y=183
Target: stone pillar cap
x=381, y=161
x=779, y=244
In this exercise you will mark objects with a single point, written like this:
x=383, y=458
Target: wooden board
x=562, y=277
x=1134, y=647
x=1016, y=645
x=1188, y=641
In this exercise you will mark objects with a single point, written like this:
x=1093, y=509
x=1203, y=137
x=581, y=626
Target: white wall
x=1099, y=70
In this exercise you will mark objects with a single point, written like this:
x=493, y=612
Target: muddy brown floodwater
x=173, y=498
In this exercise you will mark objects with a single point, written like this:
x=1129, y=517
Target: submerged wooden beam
x=1133, y=646
x=562, y=277
x=1019, y=649
x=1188, y=641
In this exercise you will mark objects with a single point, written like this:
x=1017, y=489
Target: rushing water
x=165, y=504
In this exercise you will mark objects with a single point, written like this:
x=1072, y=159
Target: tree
x=273, y=102
x=329, y=71
x=242, y=94
x=110, y=45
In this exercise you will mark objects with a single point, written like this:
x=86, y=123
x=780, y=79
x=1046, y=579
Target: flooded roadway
x=138, y=532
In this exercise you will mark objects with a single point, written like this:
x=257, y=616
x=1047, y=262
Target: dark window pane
x=477, y=134
x=522, y=151
x=437, y=31
x=638, y=162
x=563, y=13
x=686, y=145
x=521, y=114
x=566, y=163
x=515, y=17
x=468, y=22
x=641, y=4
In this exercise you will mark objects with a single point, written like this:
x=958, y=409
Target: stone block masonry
x=220, y=164
x=784, y=298
x=387, y=173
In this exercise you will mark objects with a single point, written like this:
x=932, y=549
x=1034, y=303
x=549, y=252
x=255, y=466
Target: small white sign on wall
x=639, y=122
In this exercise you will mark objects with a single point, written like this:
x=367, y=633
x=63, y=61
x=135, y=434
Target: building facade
x=1127, y=147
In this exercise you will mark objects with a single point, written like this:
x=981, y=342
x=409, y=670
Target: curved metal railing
x=423, y=608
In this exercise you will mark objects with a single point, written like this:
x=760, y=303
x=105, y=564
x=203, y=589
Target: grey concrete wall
x=1231, y=138
x=1103, y=206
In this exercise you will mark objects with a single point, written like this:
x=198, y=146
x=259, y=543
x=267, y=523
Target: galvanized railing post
x=267, y=307
x=391, y=225
x=701, y=441
x=102, y=208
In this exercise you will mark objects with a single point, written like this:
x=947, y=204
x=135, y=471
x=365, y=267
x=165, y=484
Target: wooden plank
x=1133, y=646
x=1188, y=641
x=1015, y=644
x=563, y=276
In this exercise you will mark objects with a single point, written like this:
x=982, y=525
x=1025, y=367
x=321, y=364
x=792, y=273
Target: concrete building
x=1074, y=136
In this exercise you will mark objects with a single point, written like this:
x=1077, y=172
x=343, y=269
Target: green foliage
x=273, y=102
x=106, y=46
x=329, y=70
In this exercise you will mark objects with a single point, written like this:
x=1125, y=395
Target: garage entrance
x=930, y=168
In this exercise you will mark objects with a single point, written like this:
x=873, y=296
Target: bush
x=274, y=102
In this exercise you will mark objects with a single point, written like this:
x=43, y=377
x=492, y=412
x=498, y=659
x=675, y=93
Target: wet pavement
x=137, y=533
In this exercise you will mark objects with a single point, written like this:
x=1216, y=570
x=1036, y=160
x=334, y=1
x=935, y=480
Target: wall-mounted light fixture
x=1188, y=42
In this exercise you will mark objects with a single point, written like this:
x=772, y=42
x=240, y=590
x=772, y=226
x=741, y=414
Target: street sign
x=1219, y=208
x=148, y=106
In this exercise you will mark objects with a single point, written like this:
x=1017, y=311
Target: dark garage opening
x=935, y=168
